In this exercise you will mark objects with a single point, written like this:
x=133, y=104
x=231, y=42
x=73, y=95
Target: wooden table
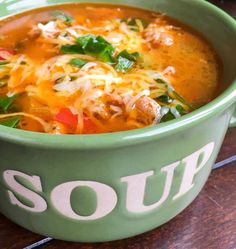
x=208, y=223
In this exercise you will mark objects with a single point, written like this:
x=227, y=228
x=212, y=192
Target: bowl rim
x=126, y=138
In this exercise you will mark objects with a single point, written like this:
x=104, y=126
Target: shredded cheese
x=96, y=87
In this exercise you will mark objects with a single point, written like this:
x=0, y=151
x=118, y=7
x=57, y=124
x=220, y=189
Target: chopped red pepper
x=65, y=116
x=89, y=124
x=5, y=54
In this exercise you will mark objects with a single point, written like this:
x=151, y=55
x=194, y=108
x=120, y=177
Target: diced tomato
x=65, y=116
x=5, y=54
x=89, y=124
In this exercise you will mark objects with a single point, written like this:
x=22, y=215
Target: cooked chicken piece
x=146, y=111
x=34, y=33
x=158, y=33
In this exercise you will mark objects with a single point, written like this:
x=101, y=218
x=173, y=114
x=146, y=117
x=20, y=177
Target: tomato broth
x=91, y=68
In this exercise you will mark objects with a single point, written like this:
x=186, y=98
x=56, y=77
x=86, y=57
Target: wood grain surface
x=208, y=223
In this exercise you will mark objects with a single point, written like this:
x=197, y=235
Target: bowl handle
x=233, y=120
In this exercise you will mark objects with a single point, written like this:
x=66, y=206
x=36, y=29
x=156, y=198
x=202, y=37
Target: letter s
x=39, y=204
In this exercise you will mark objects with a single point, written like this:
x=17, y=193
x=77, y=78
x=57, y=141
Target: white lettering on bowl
x=106, y=196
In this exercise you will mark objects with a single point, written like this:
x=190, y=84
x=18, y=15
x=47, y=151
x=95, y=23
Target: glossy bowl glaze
x=105, y=187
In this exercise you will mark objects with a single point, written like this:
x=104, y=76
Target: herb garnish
x=72, y=49
x=10, y=122
x=78, y=62
x=133, y=23
x=58, y=14
x=166, y=114
x=3, y=63
x=97, y=46
x=165, y=99
x=173, y=105
x=6, y=102
x=126, y=60
x=92, y=45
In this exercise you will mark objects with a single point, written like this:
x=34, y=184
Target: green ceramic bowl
x=112, y=186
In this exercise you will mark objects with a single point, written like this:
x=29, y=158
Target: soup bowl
x=93, y=188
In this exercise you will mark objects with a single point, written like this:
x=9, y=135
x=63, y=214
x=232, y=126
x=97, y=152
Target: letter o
x=106, y=199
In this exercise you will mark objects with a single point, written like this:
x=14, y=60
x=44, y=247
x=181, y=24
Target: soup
x=84, y=69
